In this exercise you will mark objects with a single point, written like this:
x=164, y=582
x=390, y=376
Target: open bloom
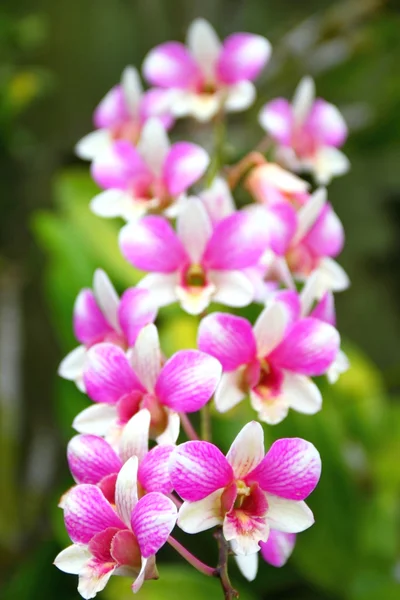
x=101, y=316
x=275, y=551
x=198, y=263
x=207, y=76
x=114, y=540
x=273, y=361
x=245, y=492
x=309, y=132
x=122, y=385
x=122, y=113
x=93, y=460
x=152, y=176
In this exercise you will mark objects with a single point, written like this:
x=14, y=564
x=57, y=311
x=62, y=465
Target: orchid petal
x=229, y=391
x=135, y=436
x=325, y=309
x=117, y=203
x=270, y=327
x=218, y=200
x=146, y=357
x=90, y=458
x=154, y=145
x=184, y=165
x=278, y=548
x=72, y=559
x=248, y=564
x=301, y=393
x=162, y=287
x=126, y=493
x=247, y=449
x=93, y=144
x=94, y=577
x=240, y=96
x=276, y=117
x=89, y=322
x=132, y=89
x=204, y=45
x=309, y=213
x=288, y=516
x=243, y=57
x=194, y=229
x=326, y=123
x=326, y=236
x=153, y=473
x=71, y=367
x=136, y=310
x=201, y=515
x=119, y=166
x=152, y=521
x=232, y=288
x=107, y=297
x=96, y=420
x=303, y=100
x=170, y=65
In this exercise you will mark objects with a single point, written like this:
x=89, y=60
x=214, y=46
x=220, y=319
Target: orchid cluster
x=134, y=481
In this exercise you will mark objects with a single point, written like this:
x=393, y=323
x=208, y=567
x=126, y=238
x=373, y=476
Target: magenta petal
x=310, y=348
x=228, y=338
x=238, y=242
x=120, y=167
x=170, y=65
x=278, y=548
x=112, y=110
x=198, y=469
x=325, y=309
x=153, y=519
x=89, y=322
x=326, y=124
x=153, y=474
x=135, y=310
x=281, y=221
x=188, y=380
x=90, y=458
x=156, y=103
x=87, y=512
x=276, y=118
x=152, y=245
x=291, y=469
x=243, y=56
x=108, y=375
x=289, y=300
x=326, y=236
x=184, y=165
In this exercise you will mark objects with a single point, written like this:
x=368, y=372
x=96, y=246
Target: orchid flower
x=198, y=263
x=122, y=113
x=207, y=76
x=154, y=176
x=93, y=460
x=273, y=361
x=270, y=184
x=245, y=492
x=308, y=133
x=114, y=540
x=275, y=551
x=100, y=316
x=122, y=384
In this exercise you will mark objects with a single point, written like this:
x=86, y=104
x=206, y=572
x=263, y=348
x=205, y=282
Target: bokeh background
x=57, y=60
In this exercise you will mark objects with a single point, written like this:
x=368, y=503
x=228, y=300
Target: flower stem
x=222, y=569
x=191, y=559
x=205, y=422
x=188, y=427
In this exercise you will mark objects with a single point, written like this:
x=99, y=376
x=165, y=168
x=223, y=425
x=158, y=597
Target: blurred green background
x=57, y=60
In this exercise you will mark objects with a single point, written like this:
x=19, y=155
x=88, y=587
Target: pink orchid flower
x=245, y=492
x=100, y=316
x=198, y=263
x=114, y=540
x=309, y=132
x=122, y=113
x=270, y=184
x=275, y=551
x=123, y=384
x=273, y=361
x=152, y=176
x=207, y=76
x=93, y=460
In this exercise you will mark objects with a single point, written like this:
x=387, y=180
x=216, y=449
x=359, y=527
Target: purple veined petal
x=170, y=65
x=72, y=559
x=247, y=449
x=156, y=102
x=199, y=516
x=248, y=565
x=132, y=90
x=106, y=297
x=303, y=100
x=288, y=516
x=97, y=419
x=198, y=469
x=136, y=309
x=326, y=236
x=184, y=165
x=270, y=327
x=228, y=338
x=88, y=320
x=291, y=469
x=238, y=242
x=309, y=348
x=151, y=244
x=162, y=287
x=90, y=458
x=153, y=474
x=232, y=288
x=204, y=46
x=154, y=146
x=87, y=512
x=112, y=110
x=243, y=57
x=120, y=166
x=146, y=357
x=218, y=200
x=276, y=117
x=152, y=521
x=188, y=380
x=326, y=123
x=126, y=492
x=278, y=548
x=194, y=229
x=135, y=436
x=108, y=375
x=325, y=309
